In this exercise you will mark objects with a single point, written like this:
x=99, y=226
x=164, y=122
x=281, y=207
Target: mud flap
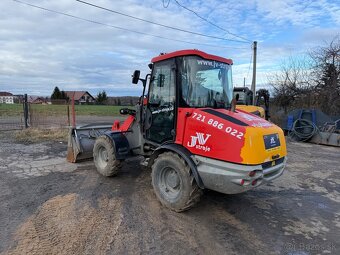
x=81, y=141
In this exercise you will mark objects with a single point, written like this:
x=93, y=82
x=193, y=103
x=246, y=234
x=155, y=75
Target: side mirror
x=150, y=66
x=160, y=80
x=135, y=76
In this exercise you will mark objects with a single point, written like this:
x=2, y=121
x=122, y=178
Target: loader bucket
x=81, y=141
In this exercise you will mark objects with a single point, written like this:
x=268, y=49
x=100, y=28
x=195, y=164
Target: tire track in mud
x=131, y=222
x=236, y=235
x=145, y=229
x=150, y=228
x=206, y=229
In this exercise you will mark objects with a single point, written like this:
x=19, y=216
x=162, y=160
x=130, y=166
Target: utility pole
x=253, y=84
x=244, y=82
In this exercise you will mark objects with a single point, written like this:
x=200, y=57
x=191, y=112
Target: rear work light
x=252, y=173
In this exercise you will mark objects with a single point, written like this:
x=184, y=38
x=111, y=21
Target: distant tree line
x=310, y=82
x=123, y=100
x=101, y=97
x=59, y=95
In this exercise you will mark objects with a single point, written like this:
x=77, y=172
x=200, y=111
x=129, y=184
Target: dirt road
x=49, y=206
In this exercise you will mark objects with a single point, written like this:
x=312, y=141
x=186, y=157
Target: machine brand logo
x=272, y=140
x=199, y=141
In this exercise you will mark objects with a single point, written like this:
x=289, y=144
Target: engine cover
x=237, y=137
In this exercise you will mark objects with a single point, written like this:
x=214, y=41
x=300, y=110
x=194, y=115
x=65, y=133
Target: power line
x=159, y=24
x=211, y=23
x=166, y=5
x=125, y=29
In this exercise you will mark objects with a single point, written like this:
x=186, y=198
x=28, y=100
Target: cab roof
x=199, y=53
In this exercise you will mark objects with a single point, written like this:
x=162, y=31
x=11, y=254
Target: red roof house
x=80, y=97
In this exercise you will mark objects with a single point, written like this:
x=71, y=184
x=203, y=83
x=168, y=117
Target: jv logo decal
x=199, y=141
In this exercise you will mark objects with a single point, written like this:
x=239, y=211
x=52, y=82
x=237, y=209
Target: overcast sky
x=40, y=50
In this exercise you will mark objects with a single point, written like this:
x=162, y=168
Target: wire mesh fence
x=49, y=116
x=11, y=117
x=57, y=114
x=11, y=122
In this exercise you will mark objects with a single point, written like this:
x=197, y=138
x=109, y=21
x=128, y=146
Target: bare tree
x=292, y=83
x=326, y=73
x=312, y=81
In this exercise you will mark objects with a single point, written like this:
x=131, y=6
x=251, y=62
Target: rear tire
x=173, y=182
x=104, y=156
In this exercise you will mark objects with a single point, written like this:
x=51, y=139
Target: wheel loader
x=244, y=100
x=187, y=130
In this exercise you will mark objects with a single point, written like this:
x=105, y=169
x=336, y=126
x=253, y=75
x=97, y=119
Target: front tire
x=173, y=182
x=104, y=156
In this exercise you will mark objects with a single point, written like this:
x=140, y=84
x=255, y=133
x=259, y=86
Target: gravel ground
x=49, y=206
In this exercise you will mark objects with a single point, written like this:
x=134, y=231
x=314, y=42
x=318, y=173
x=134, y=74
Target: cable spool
x=303, y=130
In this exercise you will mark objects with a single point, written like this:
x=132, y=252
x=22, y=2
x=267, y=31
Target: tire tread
x=113, y=165
x=195, y=193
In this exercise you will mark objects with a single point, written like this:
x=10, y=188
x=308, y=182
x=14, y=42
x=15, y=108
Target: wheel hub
x=172, y=179
x=103, y=157
x=170, y=182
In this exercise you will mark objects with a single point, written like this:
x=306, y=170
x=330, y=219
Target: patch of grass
x=98, y=110
x=61, y=110
x=36, y=135
x=11, y=109
x=48, y=110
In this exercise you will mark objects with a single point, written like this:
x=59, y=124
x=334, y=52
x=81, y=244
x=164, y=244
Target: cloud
x=40, y=49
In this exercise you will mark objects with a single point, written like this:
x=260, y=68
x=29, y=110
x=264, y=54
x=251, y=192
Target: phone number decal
x=216, y=124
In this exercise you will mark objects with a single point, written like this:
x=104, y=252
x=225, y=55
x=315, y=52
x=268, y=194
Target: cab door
x=161, y=103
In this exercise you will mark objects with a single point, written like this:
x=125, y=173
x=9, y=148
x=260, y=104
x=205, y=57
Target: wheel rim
x=103, y=157
x=170, y=182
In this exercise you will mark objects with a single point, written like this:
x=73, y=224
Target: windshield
x=205, y=83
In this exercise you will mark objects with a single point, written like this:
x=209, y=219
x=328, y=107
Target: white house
x=6, y=98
